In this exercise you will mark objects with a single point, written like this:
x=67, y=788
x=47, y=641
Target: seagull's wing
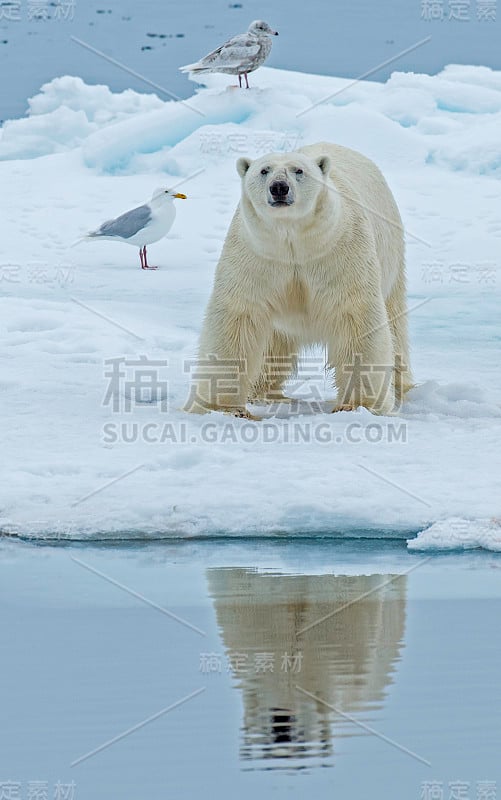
x=126, y=225
x=234, y=53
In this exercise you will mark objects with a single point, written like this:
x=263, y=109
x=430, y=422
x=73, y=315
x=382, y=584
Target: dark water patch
x=352, y=39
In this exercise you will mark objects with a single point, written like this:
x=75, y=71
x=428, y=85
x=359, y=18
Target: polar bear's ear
x=243, y=165
x=324, y=163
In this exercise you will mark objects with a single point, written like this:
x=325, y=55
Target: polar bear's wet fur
x=314, y=255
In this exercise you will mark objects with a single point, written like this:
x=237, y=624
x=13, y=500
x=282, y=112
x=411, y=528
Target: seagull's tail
x=198, y=67
x=85, y=238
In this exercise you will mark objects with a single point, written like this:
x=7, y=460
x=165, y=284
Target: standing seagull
x=142, y=225
x=240, y=55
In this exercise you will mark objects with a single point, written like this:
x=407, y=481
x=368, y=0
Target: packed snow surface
x=86, y=456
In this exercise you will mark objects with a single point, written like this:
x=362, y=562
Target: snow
x=74, y=468
x=459, y=534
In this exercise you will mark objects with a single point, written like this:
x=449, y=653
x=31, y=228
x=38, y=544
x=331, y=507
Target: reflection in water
x=345, y=661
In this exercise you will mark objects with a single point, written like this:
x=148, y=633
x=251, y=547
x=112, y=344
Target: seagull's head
x=162, y=195
x=260, y=28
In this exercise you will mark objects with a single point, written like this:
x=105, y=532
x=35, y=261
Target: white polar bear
x=314, y=255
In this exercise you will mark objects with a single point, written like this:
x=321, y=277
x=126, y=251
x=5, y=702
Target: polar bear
x=314, y=255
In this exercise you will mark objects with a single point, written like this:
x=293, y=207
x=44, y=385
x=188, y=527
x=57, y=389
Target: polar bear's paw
x=240, y=413
x=379, y=411
x=344, y=407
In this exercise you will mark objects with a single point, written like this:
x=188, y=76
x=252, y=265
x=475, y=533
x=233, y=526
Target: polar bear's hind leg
x=396, y=308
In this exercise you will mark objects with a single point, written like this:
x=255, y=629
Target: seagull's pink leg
x=246, y=81
x=141, y=257
x=240, y=81
x=146, y=265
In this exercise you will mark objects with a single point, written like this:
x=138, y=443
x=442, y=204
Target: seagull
x=142, y=225
x=240, y=55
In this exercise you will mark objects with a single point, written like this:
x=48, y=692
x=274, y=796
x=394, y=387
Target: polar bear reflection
x=346, y=660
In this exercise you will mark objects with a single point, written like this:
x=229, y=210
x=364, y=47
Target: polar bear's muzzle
x=280, y=194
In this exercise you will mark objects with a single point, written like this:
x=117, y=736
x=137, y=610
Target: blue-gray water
x=394, y=661
x=154, y=38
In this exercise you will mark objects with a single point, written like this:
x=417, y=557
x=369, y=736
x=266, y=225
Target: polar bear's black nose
x=279, y=190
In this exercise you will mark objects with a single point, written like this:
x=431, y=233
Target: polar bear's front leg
x=363, y=359
x=231, y=356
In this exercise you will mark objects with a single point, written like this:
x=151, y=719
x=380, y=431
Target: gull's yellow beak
x=180, y=196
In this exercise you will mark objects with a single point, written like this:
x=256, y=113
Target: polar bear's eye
x=264, y=171
x=299, y=171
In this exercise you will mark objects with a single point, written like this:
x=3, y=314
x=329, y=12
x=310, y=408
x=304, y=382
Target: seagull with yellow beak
x=142, y=225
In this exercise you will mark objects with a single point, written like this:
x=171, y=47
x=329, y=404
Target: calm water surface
x=155, y=37
x=346, y=669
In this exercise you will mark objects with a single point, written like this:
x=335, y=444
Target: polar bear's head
x=284, y=186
